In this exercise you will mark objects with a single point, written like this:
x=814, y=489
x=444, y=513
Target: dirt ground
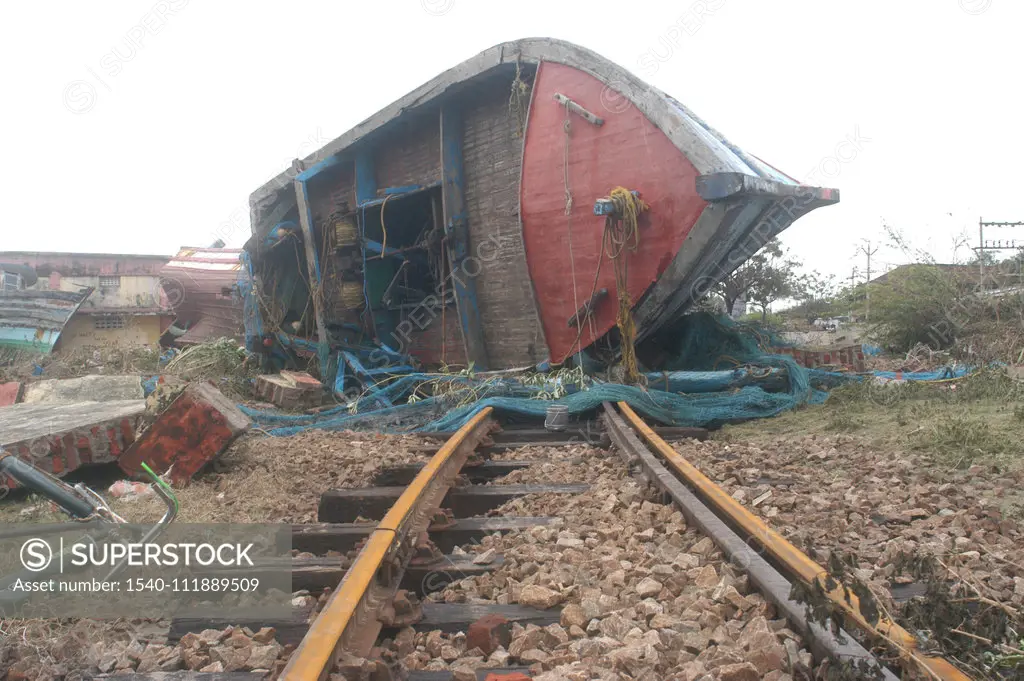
x=260, y=479
x=877, y=476
x=886, y=479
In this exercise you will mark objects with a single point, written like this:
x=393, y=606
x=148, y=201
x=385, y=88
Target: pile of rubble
x=233, y=649
x=641, y=594
x=264, y=479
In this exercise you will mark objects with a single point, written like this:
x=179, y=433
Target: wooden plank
x=313, y=265
x=479, y=473
x=681, y=433
x=428, y=578
x=289, y=630
x=587, y=433
x=472, y=530
x=464, y=266
x=508, y=446
x=448, y=617
x=346, y=505
x=318, y=573
x=185, y=676
x=520, y=434
x=481, y=674
x=319, y=538
x=454, y=617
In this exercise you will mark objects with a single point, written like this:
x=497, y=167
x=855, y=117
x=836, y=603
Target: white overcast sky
x=141, y=126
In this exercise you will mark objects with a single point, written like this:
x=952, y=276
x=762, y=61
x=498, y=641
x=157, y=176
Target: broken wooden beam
x=290, y=390
x=347, y=505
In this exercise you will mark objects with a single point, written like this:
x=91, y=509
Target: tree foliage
x=920, y=304
x=768, y=276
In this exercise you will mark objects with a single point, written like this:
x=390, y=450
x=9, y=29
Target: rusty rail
x=788, y=556
x=349, y=622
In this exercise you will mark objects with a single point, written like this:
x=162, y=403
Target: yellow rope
x=383, y=227
x=622, y=232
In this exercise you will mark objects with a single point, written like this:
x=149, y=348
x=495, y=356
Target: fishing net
x=717, y=372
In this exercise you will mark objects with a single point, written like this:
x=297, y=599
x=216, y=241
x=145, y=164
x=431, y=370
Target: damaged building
x=71, y=300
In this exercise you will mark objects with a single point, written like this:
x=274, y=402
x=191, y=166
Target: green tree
x=766, y=277
x=921, y=304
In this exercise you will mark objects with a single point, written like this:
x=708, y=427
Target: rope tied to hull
x=622, y=235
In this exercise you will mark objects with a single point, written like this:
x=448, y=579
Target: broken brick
x=488, y=633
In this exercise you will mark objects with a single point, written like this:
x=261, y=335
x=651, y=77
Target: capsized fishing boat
x=478, y=219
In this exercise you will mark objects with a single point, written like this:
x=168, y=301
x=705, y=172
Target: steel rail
x=349, y=621
x=792, y=560
x=763, y=575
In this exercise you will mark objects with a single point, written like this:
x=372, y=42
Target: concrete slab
x=62, y=437
x=84, y=389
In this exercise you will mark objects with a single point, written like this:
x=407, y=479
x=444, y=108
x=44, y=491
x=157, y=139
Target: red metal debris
x=290, y=389
x=191, y=432
x=10, y=393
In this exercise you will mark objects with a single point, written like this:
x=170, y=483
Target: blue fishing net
x=717, y=372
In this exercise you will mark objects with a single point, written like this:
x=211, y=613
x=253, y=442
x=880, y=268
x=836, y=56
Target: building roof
x=86, y=264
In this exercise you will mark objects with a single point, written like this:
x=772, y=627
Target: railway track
x=672, y=554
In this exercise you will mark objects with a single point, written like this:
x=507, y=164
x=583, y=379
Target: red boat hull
x=627, y=150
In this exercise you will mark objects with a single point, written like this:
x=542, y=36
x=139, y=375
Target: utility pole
x=981, y=254
x=853, y=287
x=868, y=251
x=991, y=246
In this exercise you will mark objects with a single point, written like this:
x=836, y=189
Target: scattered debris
x=290, y=390
x=130, y=491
